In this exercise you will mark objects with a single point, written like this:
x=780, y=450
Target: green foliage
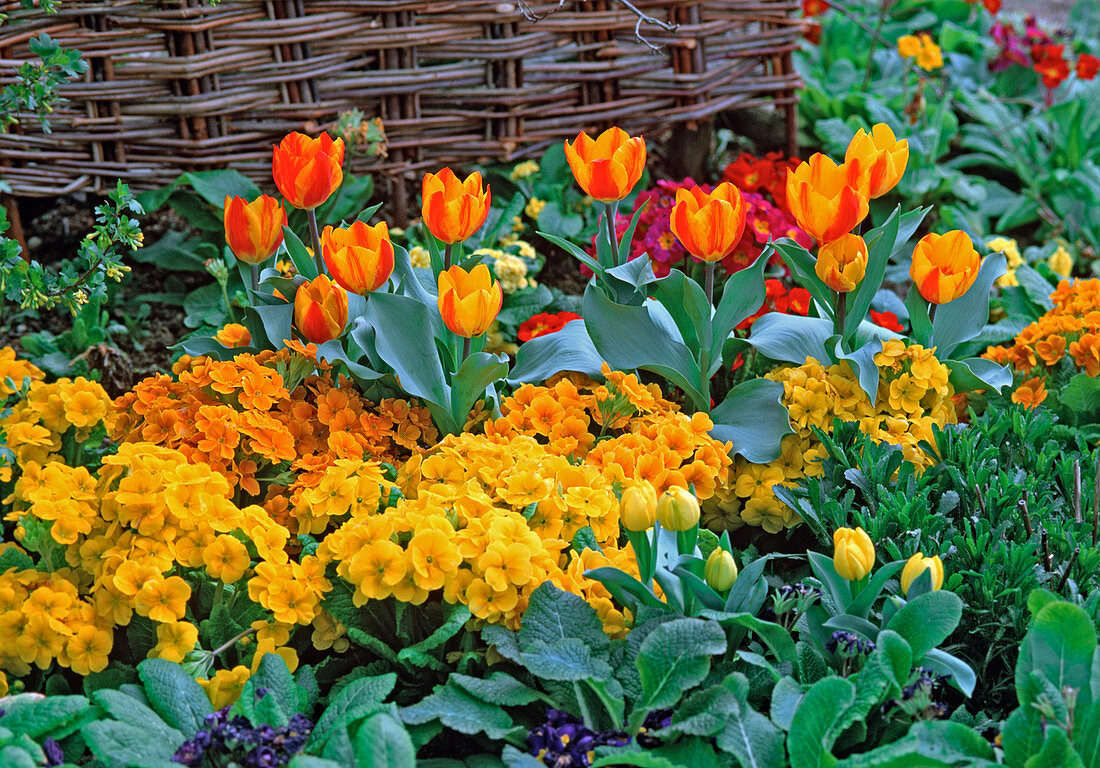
x=1000, y=507
x=37, y=84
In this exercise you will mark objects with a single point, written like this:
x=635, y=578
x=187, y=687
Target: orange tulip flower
x=320, y=310
x=944, y=266
x=254, y=230
x=307, y=171
x=709, y=226
x=841, y=263
x=452, y=209
x=881, y=156
x=469, y=301
x=359, y=258
x=607, y=167
x=826, y=199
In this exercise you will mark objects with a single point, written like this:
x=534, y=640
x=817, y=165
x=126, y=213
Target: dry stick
x=981, y=501
x=1048, y=559
x=1022, y=504
x=1077, y=491
x=1069, y=567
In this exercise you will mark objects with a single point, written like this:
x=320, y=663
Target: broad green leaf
x=927, y=621
x=628, y=338
x=125, y=709
x=271, y=322
x=498, y=688
x=624, y=587
x=457, y=709
x=862, y=363
x=123, y=745
x=304, y=264
x=754, y=419
x=943, y=663
x=803, y=267
x=939, y=744
x=686, y=303
x=704, y=712
x=553, y=614
x=674, y=657
x=814, y=725
x=751, y=737
x=470, y=381
x=963, y=319
x=792, y=338
x=359, y=699
x=381, y=741
x=880, y=245
x=214, y=186
x=978, y=373
x=570, y=349
x=785, y=698
x=1057, y=750
x=56, y=716
x=1059, y=646
x=174, y=695
x=919, y=321
x=1082, y=394
x=568, y=659
x=862, y=602
x=457, y=616
x=742, y=295
x=286, y=698
x=776, y=638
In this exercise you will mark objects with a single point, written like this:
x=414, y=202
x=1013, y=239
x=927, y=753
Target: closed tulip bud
x=254, y=230
x=853, y=553
x=307, y=171
x=918, y=564
x=359, y=258
x=452, y=209
x=320, y=310
x=638, y=507
x=720, y=572
x=842, y=263
x=609, y=166
x=827, y=200
x=678, y=509
x=944, y=266
x=881, y=156
x=469, y=301
x=709, y=226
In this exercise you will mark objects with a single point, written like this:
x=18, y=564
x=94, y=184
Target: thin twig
x=1096, y=502
x=1048, y=559
x=643, y=18
x=1078, y=516
x=1022, y=504
x=1069, y=567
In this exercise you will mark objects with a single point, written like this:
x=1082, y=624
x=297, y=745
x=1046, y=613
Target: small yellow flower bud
x=917, y=565
x=678, y=509
x=720, y=571
x=638, y=507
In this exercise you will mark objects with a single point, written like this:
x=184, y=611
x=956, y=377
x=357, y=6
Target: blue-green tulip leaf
x=743, y=294
x=470, y=381
x=803, y=267
x=963, y=319
x=792, y=338
x=978, y=373
x=754, y=419
x=687, y=305
x=569, y=349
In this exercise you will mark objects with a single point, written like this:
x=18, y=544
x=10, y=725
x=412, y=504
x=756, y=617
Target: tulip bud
x=638, y=507
x=469, y=301
x=842, y=263
x=918, y=564
x=360, y=257
x=944, y=266
x=678, y=509
x=720, y=571
x=320, y=310
x=853, y=553
x=254, y=230
x=882, y=157
x=307, y=171
x=609, y=166
x=452, y=209
x=709, y=226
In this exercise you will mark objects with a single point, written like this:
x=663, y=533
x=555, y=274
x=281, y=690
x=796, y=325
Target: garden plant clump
x=794, y=466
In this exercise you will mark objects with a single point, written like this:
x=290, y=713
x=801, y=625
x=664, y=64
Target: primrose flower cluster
x=913, y=395
x=1066, y=337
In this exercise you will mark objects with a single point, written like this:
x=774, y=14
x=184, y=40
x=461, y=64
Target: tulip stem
x=311, y=214
x=710, y=283
x=609, y=216
x=255, y=277
x=465, y=349
x=932, y=312
x=841, y=311
x=447, y=257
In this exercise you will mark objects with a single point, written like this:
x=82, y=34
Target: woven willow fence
x=184, y=85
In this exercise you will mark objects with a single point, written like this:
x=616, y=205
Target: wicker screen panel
x=180, y=85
